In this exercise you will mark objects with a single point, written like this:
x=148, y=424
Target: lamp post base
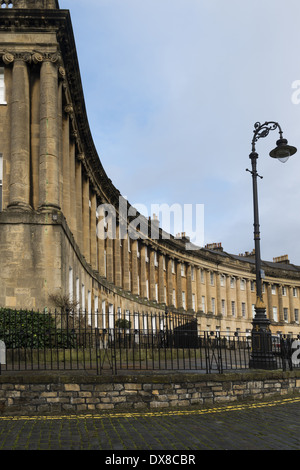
x=262, y=356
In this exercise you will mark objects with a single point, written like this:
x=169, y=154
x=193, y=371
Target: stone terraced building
x=52, y=182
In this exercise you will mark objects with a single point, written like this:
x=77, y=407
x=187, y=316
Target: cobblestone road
x=271, y=425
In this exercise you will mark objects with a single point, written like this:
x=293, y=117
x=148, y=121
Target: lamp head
x=283, y=151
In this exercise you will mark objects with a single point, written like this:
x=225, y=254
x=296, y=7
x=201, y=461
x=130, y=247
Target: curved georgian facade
x=52, y=184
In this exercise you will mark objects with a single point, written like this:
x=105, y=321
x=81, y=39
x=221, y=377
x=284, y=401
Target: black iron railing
x=124, y=341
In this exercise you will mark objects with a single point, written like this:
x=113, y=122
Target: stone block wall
x=34, y=394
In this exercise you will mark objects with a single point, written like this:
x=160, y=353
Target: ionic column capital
x=53, y=57
x=8, y=57
x=37, y=58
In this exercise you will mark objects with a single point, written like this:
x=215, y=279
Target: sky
x=173, y=89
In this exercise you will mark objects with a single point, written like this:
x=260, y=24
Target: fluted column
x=19, y=189
x=49, y=151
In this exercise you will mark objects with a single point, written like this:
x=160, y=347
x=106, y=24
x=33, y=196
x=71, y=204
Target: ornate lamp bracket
x=263, y=130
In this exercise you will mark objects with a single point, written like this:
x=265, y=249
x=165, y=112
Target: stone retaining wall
x=66, y=393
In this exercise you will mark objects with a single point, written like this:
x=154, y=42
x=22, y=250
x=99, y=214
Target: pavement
x=266, y=425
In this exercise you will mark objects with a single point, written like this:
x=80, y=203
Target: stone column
x=66, y=200
x=169, y=282
x=228, y=296
x=189, y=296
x=280, y=303
x=291, y=305
x=109, y=259
x=93, y=236
x=77, y=205
x=35, y=137
x=161, y=290
x=117, y=258
x=73, y=190
x=179, y=285
x=49, y=151
x=60, y=138
x=270, y=301
x=125, y=263
x=152, y=276
x=218, y=290
x=134, y=270
x=101, y=243
x=86, y=218
x=208, y=292
x=238, y=298
x=249, y=304
x=19, y=189
x=199, y=289
x=143, y=271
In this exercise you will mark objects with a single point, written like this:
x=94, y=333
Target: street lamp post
x=262, y=356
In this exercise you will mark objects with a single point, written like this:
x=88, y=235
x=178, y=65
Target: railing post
x=2, y=354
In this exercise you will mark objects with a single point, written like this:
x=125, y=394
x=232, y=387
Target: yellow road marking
x=147, y=414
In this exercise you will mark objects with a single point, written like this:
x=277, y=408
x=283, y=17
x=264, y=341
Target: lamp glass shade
x=283, y=151
x=283, y=160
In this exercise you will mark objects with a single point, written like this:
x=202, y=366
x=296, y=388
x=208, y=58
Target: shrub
x=123, y=323
x=29, y=329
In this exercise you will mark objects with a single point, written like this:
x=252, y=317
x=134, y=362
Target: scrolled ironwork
x=263, y=130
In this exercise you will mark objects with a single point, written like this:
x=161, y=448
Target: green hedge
x=29, y=329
